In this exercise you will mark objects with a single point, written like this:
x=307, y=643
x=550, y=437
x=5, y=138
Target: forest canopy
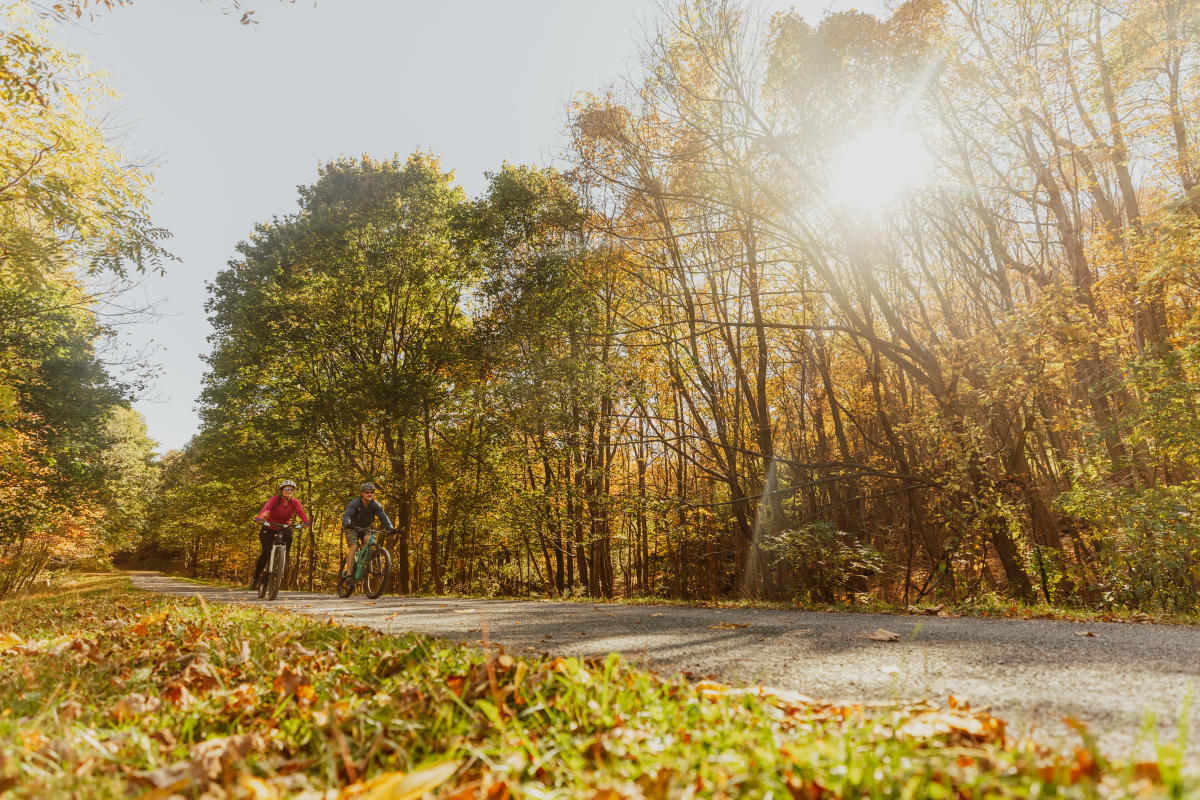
x=76, y=464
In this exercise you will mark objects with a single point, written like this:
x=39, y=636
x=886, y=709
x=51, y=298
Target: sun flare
x=873, y=170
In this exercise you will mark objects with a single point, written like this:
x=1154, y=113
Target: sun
x=871, y=172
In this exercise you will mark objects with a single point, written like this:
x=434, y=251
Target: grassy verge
x=111, y=692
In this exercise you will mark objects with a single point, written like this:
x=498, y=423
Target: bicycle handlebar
x=280, y=526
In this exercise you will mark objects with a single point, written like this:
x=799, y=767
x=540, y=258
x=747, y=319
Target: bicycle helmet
x=366, y=487
x=287, y=483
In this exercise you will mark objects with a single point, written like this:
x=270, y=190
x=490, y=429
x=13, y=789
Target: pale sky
x=236, y=117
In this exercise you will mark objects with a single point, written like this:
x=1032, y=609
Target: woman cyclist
x=278, y=510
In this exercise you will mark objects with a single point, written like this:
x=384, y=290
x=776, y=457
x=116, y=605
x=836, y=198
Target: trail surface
x=1032, y=673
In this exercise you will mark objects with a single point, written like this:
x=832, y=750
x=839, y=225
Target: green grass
x=109, y=692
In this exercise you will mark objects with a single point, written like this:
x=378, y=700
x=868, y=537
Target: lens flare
x=871, y=172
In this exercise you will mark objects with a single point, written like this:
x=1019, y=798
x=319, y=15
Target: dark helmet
x=366, y=487
x=287, y=482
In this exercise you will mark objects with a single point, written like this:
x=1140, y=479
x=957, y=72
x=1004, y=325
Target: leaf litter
x=233, y=703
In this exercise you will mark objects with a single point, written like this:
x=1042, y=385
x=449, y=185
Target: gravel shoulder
x=1032, y=673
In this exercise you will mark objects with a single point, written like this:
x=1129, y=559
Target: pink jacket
x=281, y=511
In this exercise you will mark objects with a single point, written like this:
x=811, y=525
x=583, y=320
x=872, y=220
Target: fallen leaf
x=32, y=740
x=1147, y=770
x=289, y=681
x=725, y=626
x=208, y=761
x=134, y=705
x=256, y=788
x=883, y=635
x=9, y=641
x=889, y=669
x=1085, y=633
x=401, y=785
x=243, y=653
x=934, y=723
x=179, y=695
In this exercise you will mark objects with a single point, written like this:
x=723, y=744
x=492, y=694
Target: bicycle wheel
x=379, y=573
x=278, y=565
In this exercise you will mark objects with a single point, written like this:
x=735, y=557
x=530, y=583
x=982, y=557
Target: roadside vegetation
x=112, y=692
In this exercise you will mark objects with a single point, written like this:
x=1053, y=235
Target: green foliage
x=68, y=199
x=836, y=559
x=1147, y=544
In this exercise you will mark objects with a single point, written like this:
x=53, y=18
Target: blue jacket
x=361, y=515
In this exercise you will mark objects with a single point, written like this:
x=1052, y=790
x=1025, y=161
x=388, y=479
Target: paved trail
x=1032, y=673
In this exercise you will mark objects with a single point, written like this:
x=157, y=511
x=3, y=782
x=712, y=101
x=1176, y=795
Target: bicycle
x=372, y=566
x=272, y=577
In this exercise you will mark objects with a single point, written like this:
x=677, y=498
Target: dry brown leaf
x=134, y=705
x=498, y=791
x=932, y=723
x=726, y=626
x=243, y=653
x=289, y=681
x=1147, y=770
x=883, y=635
x=199, y=675
x=400, y=785
x=208, y=761
x=179, y=695
x=298, y=652
x=1085, y=633
x=70, y=710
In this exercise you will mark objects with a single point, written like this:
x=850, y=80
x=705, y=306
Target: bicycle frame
x=276, y=566
x=372, y=566
x=363, y=556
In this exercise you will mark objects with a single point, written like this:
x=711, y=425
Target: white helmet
x=286, y=483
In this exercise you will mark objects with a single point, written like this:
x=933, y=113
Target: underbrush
x=111, y=692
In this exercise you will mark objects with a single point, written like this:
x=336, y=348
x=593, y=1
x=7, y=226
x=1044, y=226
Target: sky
x=234, y=118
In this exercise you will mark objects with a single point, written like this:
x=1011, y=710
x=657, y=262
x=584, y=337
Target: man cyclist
x=278, y=510
x=361, y=512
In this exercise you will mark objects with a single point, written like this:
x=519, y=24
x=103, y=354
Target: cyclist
x=279, y=509
x=361, y=512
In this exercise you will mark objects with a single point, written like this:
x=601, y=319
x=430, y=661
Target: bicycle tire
x=380, y=567
x=278, y=565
